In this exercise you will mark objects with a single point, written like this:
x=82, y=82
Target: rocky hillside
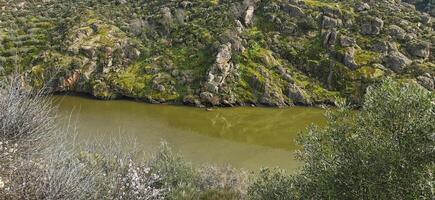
x=218, y=52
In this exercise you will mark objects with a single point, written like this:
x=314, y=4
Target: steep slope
x=221, y=53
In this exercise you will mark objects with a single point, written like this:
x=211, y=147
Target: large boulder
x=372, y=26
x=396, y=61
x=362, y=7
x=427, y=81
x=294, y=11
x=329, y=22
x=330, y=38
x=396, y=32
x=349, y=58
x=217, y=81
x=346, y=41
x=296, y=94
x=419, y=49
x=249, y=14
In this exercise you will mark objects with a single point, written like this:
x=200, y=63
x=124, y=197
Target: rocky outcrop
x=419, y=49
x=268, y=93
x=372, y=26
x=396, y=61
x=249, y=14
x=397, y=32
x=362, y=7
x=330, y=38
x=221, y=53
x=298, y=95
x=329, y=22
x=346, y=41
x=349, y=58
x=216, y=82
x=427, y=81
x=294, y=11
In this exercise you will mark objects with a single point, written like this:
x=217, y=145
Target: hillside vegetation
x=218, y=52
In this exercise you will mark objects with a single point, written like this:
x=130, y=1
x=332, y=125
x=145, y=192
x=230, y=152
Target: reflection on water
x=243, y=137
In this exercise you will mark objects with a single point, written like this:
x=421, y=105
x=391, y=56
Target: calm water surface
x=244, y=137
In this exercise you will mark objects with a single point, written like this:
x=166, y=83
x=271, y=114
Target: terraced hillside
x=218, y=52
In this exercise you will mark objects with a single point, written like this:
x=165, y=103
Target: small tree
x=383, y=151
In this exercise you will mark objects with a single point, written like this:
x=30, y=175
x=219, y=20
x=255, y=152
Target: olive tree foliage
x=383, y=151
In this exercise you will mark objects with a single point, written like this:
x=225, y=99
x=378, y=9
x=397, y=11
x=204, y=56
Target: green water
x=245, y=137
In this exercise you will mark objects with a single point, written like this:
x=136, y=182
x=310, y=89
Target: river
x=243, y=137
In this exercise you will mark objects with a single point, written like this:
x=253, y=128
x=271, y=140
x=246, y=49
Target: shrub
x=383, y=151
x=31, y=167
x=271, y=184
x=175, y=172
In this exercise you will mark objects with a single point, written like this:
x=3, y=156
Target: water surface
x=243, y=137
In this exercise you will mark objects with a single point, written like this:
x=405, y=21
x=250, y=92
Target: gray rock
x=426, y=19
x=396, y=32
x=329, y=22
x=186, y=4
x=349, y=58
x=347, y=41
x=222, y=73
x=384, y=47
x=249, y=14
x=296, y=94
x=88, y=51
x=427, y=81
x=362, y=7
x=160, y=88
x=96, y=27
x=372, y=26
x=294, y=11
x=396, y=61
x=332, y=12
x=191, y=100
x=419, y=49
x=209, y=98
x=132, y=52
x=330, y=38
x=122, y=1
x=167, y=18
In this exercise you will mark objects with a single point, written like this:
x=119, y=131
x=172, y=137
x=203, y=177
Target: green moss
x=370, y=73
x=363, y=57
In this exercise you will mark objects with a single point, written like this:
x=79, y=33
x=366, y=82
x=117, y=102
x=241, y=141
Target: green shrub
x=175, y=172
x=383, y=151
x=271, y=184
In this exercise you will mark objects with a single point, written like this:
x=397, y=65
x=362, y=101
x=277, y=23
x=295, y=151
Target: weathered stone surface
x=349, y=58
x=362, y=7
x=372, y=26
x=217, y=75
x=296, y=94
x=427, y=81
x=396, y=32
x=347, y=41
x=396, y=61
x=209, y=98
x=329, y=22
x=249, y=14
x=384, y=47
x=426, y=19
x=294, y=11
x=419, y=49
x=330, y=38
